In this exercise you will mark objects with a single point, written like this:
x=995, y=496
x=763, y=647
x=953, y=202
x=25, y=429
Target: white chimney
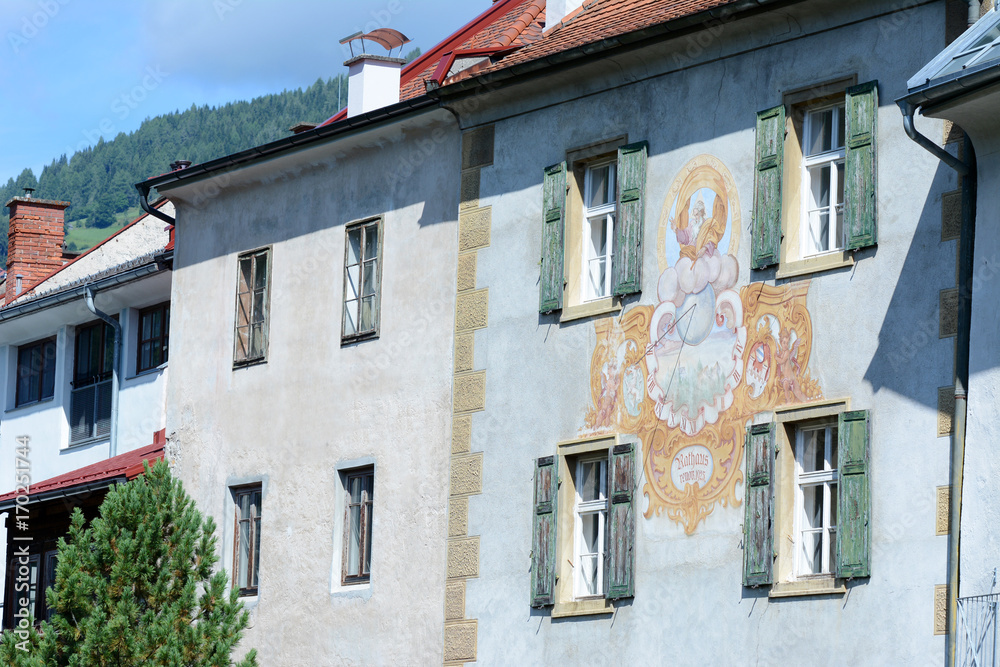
x=557, y=10
x=373, y=82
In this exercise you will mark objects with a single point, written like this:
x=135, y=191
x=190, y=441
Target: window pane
x=353, y=274
x=354, y=246
x=591, y=529
x=590, y=480
x=256, y=340
x=598, y=246
x=813, y=449
x=256, y=552
x=145, y=327
x=245, y=275
x=840, y=128
x=48, y=369
x=601, y=188
x=260, y=272
x=368, y=539
x=243, y=553
x=819, y=182
x=108, y=354
x=820, y=132
x=833, y=447
x=367, y=313
x=371, y=242
x=833, y=505
x=811, y=553
x=350, y=318
x=354, y=542
x=598, y=278
x=368, y=287
x=812, y=507
x=588, y=575
x=354, y=488
x=258, y=307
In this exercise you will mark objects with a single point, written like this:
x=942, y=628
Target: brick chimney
x=34, y=242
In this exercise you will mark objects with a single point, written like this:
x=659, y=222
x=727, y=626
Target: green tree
x=136, y=588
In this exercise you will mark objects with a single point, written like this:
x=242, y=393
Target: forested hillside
x=99, y=181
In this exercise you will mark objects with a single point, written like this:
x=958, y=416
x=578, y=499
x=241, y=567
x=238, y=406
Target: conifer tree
x=135, y=587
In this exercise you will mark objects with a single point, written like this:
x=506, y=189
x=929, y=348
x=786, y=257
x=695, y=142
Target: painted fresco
x=687, y=374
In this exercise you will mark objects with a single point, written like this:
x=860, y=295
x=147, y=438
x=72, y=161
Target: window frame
x=826, y=479
x=102, y=380
x=253, y=538
x=372, y=332
x=608, y=215
x=579, y=161
x=163, y=337
x=793, y=260
x=569, y=455
x=41, y=344
x=249, y=359
x=365, y=518
x=832, y=158
x=790, y=420
x=581, y=508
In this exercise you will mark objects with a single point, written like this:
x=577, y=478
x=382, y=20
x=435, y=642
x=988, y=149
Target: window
x=823, y=181
x=584, y=528
x=359, y=486
x=154, y=333
x=808, y=508
x=24, y=574
x=599, y=206
x=362, y=281
x=590, y=513
x=90, y=401
x=815, y=499
x=36, y=372
x=252, y=292
x=814, y=191
x=592, y=228
x=246, y=539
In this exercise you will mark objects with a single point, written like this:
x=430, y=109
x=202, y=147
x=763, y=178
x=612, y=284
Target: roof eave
x=290, y=144
x=626, y=41
x=933, y=94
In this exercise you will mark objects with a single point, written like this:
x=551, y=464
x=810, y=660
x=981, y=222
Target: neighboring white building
x=60, y=410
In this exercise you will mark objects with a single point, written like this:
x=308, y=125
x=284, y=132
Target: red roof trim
x=157, y=206
x=449, y=59
x=128, y=465
x=458, y=38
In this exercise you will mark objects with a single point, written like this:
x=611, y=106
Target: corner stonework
x=468, y=397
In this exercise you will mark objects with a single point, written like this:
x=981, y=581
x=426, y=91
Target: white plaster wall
x=314, y=405
x=690, y=606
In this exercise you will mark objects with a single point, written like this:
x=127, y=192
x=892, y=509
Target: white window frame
x=827, y=478
x=581, y=509
x=833, y=157
x=605, y=214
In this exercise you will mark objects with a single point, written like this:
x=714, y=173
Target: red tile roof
x=508, y=23
x=598, y=20
x=128, y=465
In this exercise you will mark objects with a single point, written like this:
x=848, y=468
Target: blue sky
x=74, y=70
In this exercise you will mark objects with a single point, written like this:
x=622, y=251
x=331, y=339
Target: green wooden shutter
x=859, y=166
x=626, y=259
x=853, y=497
x=619, y=562
x=758, y=550
x=543, y=542
x=553, y=221
x=765, y=244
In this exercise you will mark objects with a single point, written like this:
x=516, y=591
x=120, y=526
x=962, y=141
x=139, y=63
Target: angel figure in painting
x=788, y=366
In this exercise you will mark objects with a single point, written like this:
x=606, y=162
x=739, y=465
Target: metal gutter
x=908, y=110
x=115, y=363
x=41, y=303
x=600, y=49
x=953, y=86
x=66, y=492
x=282, y=146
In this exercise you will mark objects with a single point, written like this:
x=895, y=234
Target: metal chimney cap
x=27, y=192
x=180, y=164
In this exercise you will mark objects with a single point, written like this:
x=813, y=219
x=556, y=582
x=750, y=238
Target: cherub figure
x=788, y=366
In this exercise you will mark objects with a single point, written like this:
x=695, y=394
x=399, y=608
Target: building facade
x=66, y=408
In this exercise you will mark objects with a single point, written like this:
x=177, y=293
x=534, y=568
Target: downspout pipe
x=966, y=242
x=152, y=210
x=908, y=109
x=115, y=363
